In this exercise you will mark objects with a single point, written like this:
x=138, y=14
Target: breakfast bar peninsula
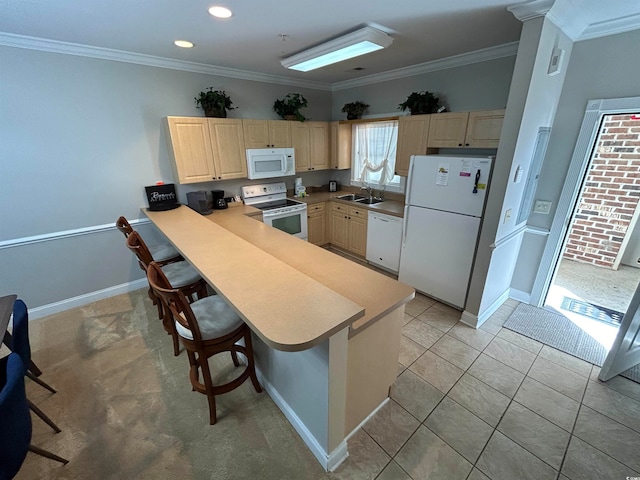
x=326, y=330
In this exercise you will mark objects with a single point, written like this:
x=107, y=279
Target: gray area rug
x=559, y=332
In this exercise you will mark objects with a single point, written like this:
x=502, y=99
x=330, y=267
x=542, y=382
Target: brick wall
x=610, y=196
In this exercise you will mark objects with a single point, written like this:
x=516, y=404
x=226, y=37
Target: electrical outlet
x=507, y=216
x=542, y=207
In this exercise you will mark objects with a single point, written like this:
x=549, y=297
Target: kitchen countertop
x=293, y=294
x=390, y=207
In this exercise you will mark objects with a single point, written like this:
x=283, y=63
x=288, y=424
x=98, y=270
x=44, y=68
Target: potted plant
x=215, y=103
x=289, y=107
x=420, y=102
x=354, y=110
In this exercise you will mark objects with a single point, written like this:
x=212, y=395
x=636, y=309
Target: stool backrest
x=137, y=246
x=123, y=225
x=173, y=299
x=15, y=419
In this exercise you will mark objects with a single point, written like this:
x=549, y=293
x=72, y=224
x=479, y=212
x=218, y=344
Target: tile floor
x=490, y=403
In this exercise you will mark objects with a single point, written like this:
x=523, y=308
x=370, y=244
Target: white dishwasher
x=384, y=238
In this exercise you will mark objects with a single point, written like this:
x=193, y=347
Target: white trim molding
x=527, y=11
x=476, y=321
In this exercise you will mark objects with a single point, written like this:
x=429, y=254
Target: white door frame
x=589, y=131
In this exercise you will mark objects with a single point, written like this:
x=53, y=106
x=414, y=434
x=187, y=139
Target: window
x=374, y=156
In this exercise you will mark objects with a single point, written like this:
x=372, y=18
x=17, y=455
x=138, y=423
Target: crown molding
x=611, y=27
x=55, y=46
x=529, y=10
x=492, y=53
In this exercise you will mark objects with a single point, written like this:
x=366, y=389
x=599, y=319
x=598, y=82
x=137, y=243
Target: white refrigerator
x=443, y=210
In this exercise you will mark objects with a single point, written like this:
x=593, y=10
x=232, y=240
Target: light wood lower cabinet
x=205, y=149
x=317, y=224
x=349, y=228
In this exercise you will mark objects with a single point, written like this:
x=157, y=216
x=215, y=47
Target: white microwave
x=270, y=162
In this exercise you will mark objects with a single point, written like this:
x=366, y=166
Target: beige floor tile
x=477, y=475
x=460, y=428
x=418, y=305
x=437, y=318
x=421, y=333
x=545, y=440
x=510, y=354
x=455, y=351
x=427, y=456
x=415, y=395
x=478, y=339
x=365, y=461
x=613, y=404
x=559, y=378
x=565, y=360
x=401, y=368
x=391, y=427
x=494, y=323
x=548, y=403
x=496, y=374
x=437, y=371
x=505, y=459
x=583, y=462
x=520, y=340
x=393, y=471
x=479, y=398
x=610, y=437
x=619, y=384
x=410, y=351
x=407, y=319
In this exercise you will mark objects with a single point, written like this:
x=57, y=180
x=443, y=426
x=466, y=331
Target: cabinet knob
x=459, y=144
x=466, y=144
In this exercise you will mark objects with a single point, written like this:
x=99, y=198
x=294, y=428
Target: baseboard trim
x=519, y=295
x=79, y=301
x=328, y=461
x=490, y=310
x=469, y=319
x=361, y=424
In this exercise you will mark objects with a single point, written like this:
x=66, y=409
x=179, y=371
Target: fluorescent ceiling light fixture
x=220, y=12
x=183, y=44
x=351, y=45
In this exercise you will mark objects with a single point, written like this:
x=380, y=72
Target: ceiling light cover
x=220, y=12
x=183, y=44
x=351, y=45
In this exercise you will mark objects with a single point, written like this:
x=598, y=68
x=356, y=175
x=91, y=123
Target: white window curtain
x=376, y=151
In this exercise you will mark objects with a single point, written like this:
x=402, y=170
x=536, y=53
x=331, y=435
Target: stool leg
x=42, y=383
x=46, y=453
x=251, y=365
x=44, y=418
x=234, y=357
x=206, y=374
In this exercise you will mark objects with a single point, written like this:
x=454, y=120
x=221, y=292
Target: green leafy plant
x=354, y=110
x=420, y=103
x=289, y=107
x=215, y=103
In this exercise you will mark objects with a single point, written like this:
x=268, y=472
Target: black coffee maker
x=218, y=199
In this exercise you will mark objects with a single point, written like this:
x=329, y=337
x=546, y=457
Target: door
x=437, y=253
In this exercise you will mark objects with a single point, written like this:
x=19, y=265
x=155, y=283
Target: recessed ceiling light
x=220, y=12
x=183, y=44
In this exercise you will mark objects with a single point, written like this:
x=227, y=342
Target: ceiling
x=423, y=30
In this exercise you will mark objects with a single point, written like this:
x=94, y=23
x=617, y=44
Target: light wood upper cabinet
x=483, y=128
x=479, y=129
x=341, y=140
x=205, y=149
x=310, y=141
x=412, y=140
x=266, y=133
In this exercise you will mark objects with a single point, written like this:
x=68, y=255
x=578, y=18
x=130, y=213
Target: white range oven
x=278, y=211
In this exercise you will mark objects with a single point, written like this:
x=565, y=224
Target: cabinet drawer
x=338, y=207
x=357, y=212
x=315, y=207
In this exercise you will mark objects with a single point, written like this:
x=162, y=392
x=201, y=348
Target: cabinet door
x=341, y=139
x=280, y=133
x=317, y=224
x=357, y=242
x=447, y=130
x=190, y=149
x=256, y=133
x=339, y=226
x=227, y=140
x=300, y=139
x=318, y=145
x=483, y=128
x=412, y=140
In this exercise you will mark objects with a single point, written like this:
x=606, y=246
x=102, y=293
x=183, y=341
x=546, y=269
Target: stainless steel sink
x=352, y=197
x=370, y=200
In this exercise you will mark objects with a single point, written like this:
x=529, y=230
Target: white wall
x=79, y=140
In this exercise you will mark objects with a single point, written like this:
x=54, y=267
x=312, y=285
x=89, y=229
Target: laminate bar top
x=287, y=309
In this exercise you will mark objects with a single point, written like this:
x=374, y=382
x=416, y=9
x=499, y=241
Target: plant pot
x=352, y=116
x=215, y=112
x=290, y=117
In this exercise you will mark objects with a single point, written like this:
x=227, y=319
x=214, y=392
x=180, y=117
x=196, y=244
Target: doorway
x=598, y=269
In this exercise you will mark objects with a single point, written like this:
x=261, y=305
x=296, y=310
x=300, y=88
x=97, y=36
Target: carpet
x=602, y=314
x=561, y=333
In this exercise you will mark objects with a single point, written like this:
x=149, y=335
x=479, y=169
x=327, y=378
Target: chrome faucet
x=368, y=189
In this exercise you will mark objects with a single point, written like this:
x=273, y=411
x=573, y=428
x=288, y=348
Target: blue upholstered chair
x=15, y=420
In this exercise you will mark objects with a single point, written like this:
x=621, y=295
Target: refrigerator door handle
x=409, y=177
x=475, y=185
x=404, y=225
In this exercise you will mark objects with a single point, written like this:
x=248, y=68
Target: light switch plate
x=542, y=206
